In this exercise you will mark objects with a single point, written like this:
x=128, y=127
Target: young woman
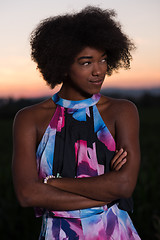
x=76, y=156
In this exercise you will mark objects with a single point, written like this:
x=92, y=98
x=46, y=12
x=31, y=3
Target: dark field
x=19, y=223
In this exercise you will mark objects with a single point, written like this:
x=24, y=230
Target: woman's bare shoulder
x=117, y=105
x=36, y=113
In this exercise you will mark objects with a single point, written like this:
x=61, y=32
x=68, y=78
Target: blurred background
x=22, y=85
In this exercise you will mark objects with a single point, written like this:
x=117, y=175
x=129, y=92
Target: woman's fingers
x=117, y=155
x=119, y=159
x=120, y=164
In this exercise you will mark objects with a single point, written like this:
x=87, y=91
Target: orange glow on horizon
x=22, y=80
x=37, y=87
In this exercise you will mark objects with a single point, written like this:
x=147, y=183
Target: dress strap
x=76, y=104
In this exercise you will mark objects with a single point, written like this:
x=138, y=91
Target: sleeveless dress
x=77, y=144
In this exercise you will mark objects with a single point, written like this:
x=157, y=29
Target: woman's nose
x=96, y=71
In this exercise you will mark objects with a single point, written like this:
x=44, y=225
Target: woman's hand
x=119, y=160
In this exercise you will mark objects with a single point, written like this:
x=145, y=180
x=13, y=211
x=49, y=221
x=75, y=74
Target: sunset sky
x=140, y=19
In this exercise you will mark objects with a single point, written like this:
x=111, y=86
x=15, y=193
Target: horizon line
x=111, y=90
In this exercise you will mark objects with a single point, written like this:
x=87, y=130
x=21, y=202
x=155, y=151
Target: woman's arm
x=115, y=184
x=29, y=190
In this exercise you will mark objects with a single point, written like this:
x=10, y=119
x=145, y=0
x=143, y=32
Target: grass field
x=19, y=223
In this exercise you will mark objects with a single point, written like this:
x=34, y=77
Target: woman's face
x=87, y=73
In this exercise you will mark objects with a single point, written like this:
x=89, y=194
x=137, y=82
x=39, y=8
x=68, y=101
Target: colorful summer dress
x=77, y=144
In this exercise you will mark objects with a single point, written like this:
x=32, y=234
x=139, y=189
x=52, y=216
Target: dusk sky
x=140, y=20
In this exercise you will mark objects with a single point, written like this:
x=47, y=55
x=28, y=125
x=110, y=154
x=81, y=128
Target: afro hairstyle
x=56, y=41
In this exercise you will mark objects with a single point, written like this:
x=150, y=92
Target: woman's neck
x=73, y=94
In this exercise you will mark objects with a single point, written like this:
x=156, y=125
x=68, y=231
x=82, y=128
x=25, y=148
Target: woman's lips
x=97, y=81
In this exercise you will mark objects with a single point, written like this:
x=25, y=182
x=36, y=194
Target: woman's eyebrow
x=90, y=57
x=83, y=57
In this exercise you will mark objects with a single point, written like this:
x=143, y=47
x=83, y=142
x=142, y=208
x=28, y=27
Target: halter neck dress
x=77, y=144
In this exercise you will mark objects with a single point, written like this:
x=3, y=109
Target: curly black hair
x=57, y=40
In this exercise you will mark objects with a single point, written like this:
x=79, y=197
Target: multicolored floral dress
x=77, y=143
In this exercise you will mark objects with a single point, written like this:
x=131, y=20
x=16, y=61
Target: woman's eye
x=104, y=60
x=85, y=63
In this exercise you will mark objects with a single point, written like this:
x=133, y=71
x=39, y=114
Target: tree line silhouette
x=9, y=107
